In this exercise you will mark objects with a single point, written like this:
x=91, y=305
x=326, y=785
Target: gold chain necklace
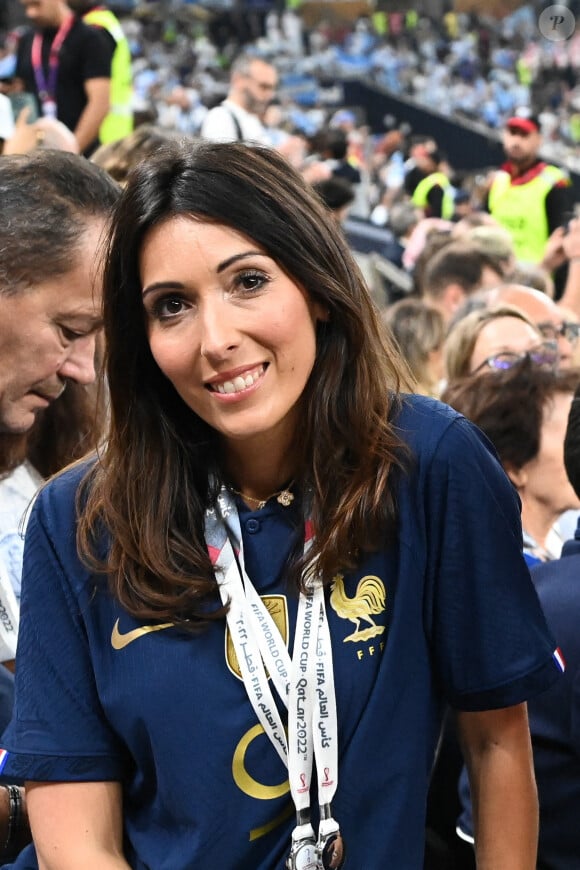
x=283, y=497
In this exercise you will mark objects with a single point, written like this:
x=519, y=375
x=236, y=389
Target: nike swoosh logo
x=120, y=641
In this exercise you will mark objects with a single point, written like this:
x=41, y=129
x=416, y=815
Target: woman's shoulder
x=421, y=421
x=57, y=500
x=432, y=429
x=444, y=442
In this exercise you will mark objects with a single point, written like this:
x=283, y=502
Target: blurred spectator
x=527, y=196
x=181, y=110
x=366, y=241
x=337, y=194
x=118, y=158
x=496, y=242
x=562, y=253
x=403, y=218
x=455, y=272
x=427, y=237
x=434, y=194
x=119, y=120
x=491, y=338
x=422, y=245
x=419, y=163
x=72, y=81
x=524, y=411
x=253, y=84
x=362, y=236
x=549, y=317
x=331, y=147
x=419, y=331
x=44, y=133
x=533, y=276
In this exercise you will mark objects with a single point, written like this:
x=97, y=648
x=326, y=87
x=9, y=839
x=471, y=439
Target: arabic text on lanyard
x=46, y=85
x=305, y=684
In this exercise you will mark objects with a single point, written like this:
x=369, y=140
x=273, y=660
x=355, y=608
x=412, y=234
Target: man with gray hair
x=253, y=83
x=53, y=209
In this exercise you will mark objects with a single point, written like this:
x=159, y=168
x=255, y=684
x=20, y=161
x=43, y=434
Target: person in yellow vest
x=435, y=194
x=528, y=196
x=119, y=121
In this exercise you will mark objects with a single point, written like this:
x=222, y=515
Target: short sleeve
x=491, y=645
x=97, y=55
x=219, y=126
x=58, y=729
x=23, y=45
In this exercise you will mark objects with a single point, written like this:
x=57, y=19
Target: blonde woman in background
x=494, y=338
x=120, y=157
x=419, y=331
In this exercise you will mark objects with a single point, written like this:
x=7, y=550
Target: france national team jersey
x=446, y=614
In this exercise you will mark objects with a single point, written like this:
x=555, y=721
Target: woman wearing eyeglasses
x=523, y=409
x=495, y=339
x=554, y=322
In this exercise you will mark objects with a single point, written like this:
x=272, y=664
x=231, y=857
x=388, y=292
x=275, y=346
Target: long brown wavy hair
x=160, y=468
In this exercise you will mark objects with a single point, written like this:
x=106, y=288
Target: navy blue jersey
x=100, y=696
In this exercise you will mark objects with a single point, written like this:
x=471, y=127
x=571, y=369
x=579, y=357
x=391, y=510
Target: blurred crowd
x=475, y=68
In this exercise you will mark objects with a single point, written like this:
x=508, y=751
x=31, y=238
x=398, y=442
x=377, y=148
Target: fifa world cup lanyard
x=304, y=683
x=46, y=87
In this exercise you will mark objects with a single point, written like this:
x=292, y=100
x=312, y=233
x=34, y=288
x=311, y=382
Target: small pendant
x=285, y=498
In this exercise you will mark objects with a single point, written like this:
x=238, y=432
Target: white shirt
x=219, y=125
x=17, y=492
x=6, y=118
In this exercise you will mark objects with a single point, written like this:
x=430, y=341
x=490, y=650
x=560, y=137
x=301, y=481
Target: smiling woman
x=235, y=335
x=288, y=545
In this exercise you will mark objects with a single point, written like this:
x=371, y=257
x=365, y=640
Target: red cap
x=526, y=123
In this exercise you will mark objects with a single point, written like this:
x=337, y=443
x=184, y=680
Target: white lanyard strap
x=249, y=658
x=271, y=643
x=265, y=632
x=301, y=703
x=305, y=683
x=325, y=715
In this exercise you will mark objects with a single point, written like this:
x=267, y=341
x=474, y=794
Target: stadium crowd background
x=473, y=68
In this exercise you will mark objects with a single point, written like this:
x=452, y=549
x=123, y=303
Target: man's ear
x=518, y=476
x=453, y=297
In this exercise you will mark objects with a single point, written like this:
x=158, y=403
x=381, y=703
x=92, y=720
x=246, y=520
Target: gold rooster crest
x=369, y=600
